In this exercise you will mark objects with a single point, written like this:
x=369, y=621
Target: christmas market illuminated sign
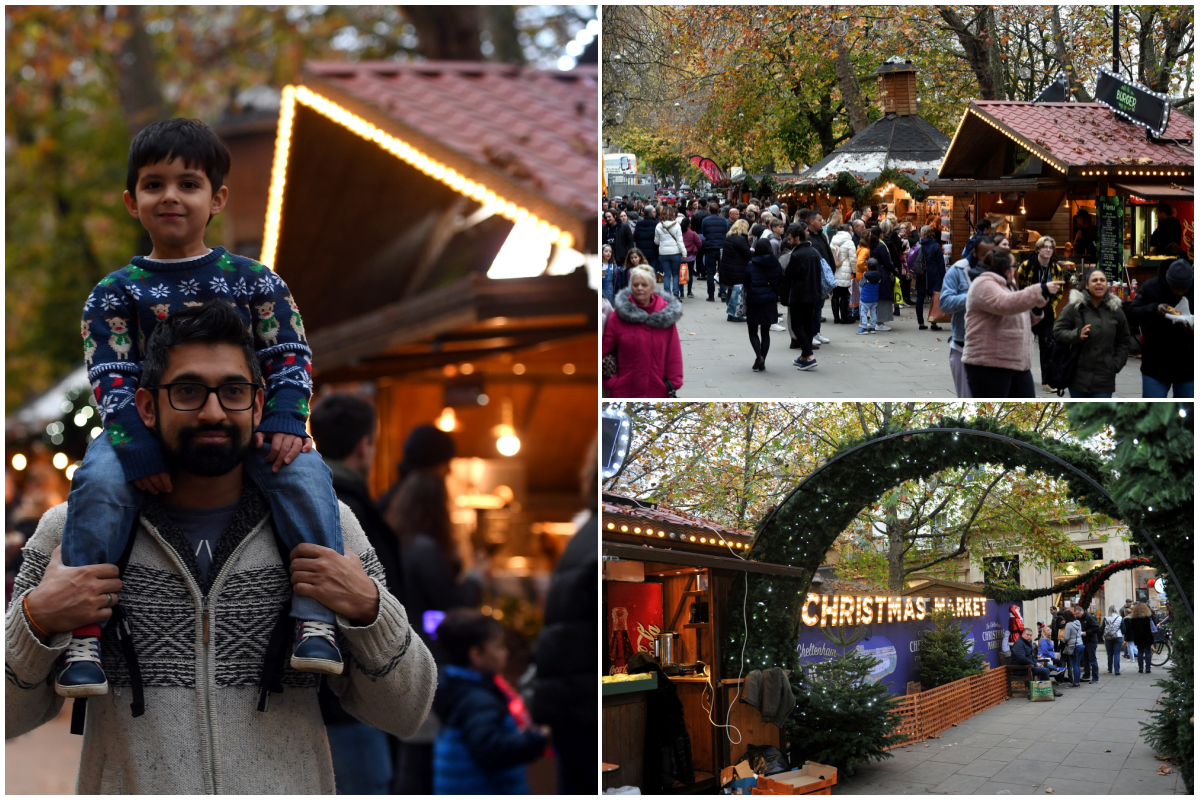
x=832, y=610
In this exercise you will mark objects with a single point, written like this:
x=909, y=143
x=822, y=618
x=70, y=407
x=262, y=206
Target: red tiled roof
x=536, y=126
x=1082, y=134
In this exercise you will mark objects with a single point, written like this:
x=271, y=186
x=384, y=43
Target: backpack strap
x=124, y=634
x=275, y=661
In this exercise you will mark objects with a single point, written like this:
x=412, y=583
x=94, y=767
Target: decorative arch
x=801, y=528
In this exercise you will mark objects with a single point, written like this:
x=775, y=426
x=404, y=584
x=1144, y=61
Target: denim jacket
x=954, y=298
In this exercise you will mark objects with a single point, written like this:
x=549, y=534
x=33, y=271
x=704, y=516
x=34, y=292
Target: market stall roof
x=627, y=518
x=1149, y=191
x=924, y=585
x=1073, y=138
x=32, y=417
x=905, y=143
x=394, y=188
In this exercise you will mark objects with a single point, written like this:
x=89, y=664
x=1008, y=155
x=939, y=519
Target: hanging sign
x=1110, y=236
x=1133, y=102
x=1055, y=91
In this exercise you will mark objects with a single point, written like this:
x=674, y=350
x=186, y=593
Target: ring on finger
x=110, y=600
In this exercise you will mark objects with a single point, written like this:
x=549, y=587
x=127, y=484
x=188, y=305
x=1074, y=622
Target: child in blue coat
x=487, y=737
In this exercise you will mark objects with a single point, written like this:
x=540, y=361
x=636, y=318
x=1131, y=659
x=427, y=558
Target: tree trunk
x=502, y=25
x=977, y=47
x=137, y=75
x=446, y=32
x=896, y=543
x=747, y=467
x=1074, y=85
x=856, y=109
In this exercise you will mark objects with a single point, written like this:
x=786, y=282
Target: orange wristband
x=28, y=616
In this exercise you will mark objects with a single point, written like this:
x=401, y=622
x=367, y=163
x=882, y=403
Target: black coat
x=643, y=237
x=608, y=234
x=1090, y=629
x=564, y=690
x=351, y=489
x=623, y=242
x=1139, y=632
x=822, y=244
x=763, y=274
x=734, y=258
x=697, y=219
x=668, y=747
x=803, y=274
x=1024, y=653
x=713, y=229
x=1168, y=348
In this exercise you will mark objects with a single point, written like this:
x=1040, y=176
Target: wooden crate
x=811, y=778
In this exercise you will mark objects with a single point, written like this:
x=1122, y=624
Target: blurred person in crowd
x=564, y=690
x=343, y=428
x=1168, y=342
x=488, y=736
x=434, y=583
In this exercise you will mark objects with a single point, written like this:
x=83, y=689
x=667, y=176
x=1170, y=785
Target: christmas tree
x=137, y=273
x=117, y=434
x=842, y=717
x=944, y=654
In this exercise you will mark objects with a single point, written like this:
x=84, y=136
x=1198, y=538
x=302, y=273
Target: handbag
x=935, y=310
x=683, y=274
x=1063, y=359
x=897, y=295
x=608, y=367
x=740, y=309
x=670, y=388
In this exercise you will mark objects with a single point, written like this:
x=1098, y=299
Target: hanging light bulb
x=506, y=436
x=447, y=421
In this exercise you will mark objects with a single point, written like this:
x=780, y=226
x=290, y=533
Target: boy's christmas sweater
x=123, y=309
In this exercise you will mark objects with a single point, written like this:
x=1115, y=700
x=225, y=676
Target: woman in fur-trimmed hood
x=641, y=333
x=1094, y=323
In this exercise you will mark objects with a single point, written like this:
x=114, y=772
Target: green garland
x=1003, y=594
x=808, y=521
x=846, y=185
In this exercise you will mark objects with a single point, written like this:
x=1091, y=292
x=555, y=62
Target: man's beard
x=205, y=460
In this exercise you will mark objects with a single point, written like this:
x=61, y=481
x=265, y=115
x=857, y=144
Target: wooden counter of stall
x=688, y=563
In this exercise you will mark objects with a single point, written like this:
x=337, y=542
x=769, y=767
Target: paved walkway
x=905, y=362
x=1086, y=742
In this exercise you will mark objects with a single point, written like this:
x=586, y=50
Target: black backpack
x=274, y=663
x=918, y=264
x=1063, y=359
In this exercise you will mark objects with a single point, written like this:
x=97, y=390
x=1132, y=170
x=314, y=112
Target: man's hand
x=337, y=582
x=70, y=597
x=154, y=484
x=284, y=448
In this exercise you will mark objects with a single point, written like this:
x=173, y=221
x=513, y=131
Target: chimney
x=897, y=87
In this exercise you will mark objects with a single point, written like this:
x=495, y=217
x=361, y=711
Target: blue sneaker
x=316, y=648
x=862, y=332
x=81, y=674
x=807, y=365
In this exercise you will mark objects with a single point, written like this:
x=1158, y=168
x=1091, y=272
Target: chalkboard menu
x=1110, y=236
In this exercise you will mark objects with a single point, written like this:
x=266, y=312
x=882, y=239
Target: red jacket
x=647, y=346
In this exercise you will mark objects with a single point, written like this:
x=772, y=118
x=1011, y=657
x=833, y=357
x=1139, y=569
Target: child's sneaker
x=316, y=648
x=862, y=332
x=872, y=329
x=81, y=674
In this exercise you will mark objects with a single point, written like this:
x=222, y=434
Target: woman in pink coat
x=999, y=321
x=641, y=331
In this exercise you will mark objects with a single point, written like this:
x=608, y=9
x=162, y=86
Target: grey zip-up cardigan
x=201, y=649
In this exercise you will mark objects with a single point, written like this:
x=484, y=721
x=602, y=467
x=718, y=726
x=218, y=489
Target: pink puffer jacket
x=999, y=320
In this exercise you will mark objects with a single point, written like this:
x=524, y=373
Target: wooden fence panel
x=933, y=711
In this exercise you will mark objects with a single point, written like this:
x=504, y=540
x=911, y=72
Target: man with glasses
x=206, y=589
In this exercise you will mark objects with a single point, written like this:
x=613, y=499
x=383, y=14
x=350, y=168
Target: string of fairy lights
x=405, y=151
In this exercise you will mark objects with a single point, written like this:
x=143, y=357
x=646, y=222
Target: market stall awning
x=1073, y=139
x=1151, y=192
x=634, y=552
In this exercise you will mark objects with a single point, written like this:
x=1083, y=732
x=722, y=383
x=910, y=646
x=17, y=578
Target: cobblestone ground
x=1087, y=742
x=905, y=362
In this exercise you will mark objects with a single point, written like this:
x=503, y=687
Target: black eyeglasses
x=192, y=396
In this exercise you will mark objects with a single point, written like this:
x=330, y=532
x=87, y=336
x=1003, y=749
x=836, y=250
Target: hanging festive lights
x=402, y=150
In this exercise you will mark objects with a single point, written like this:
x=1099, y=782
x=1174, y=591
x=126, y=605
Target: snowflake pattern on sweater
x=123, y=309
